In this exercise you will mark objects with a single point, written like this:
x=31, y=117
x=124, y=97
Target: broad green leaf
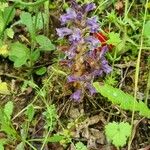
x=124, y=100
x=26, y=19
x=45, y=43
x=118, y=133
x=30, y=112
x=10, y=33
x=41, y=71
x=4, y=88
x=19, y=54
x=8, y=109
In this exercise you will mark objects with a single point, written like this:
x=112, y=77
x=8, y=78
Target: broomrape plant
x=83, y=54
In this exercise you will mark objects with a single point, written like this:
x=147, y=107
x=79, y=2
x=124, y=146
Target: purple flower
x=76, y=95
x=89, y=7
x=94, y=42
x=79, y=16
x=71, y=53
x=70, y=15
x=63, y=32
x=103, y=51
x=106, y=68
x=92, y=24
x=91, y=89
x=97, y=73
x=71, y=79
x=76, y=36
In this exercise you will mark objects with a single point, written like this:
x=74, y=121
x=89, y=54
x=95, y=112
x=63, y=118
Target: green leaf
x=30, y=112
x=3, y=6
x=2, y=143
x=50, y=117
x=9, y=14
x=8, y=109
x=124, y=100
x=10, y=33
x=35, y=55
x=19, y=54
x=20, y=146
x=2, y=22
x=144, y=110
x=26, y=19
x=45, y=43
x=41, y=71
x=80, y=146
x=114, y=38
x=118, y=133
x=40, y=19
x=147, y=29
x=55, y=138
x=1, y=146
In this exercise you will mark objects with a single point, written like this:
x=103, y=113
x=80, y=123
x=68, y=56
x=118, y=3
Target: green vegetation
x=74, y=74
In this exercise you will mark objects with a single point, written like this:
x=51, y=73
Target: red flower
x=103, y=39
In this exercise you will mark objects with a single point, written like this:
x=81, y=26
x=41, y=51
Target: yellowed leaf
x=4, y=50
x=4, y=88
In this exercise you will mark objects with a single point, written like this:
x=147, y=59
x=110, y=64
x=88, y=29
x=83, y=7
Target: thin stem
x=137, y=73
x=148, y=87
x=29, y=3
x=46, y=6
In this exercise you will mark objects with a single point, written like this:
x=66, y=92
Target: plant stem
x=148, y=87
x=137, y=74
x=46, y=6
x=29, y=3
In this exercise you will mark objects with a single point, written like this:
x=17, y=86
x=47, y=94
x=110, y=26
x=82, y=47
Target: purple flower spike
x=63, y=32
x=70, y=15
x=72, y=79
x=89, y=7
x=92, y=41
x=91, y=89
x=76, y=95
x=106, y=68
x=76, y=36
x=92, y=24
